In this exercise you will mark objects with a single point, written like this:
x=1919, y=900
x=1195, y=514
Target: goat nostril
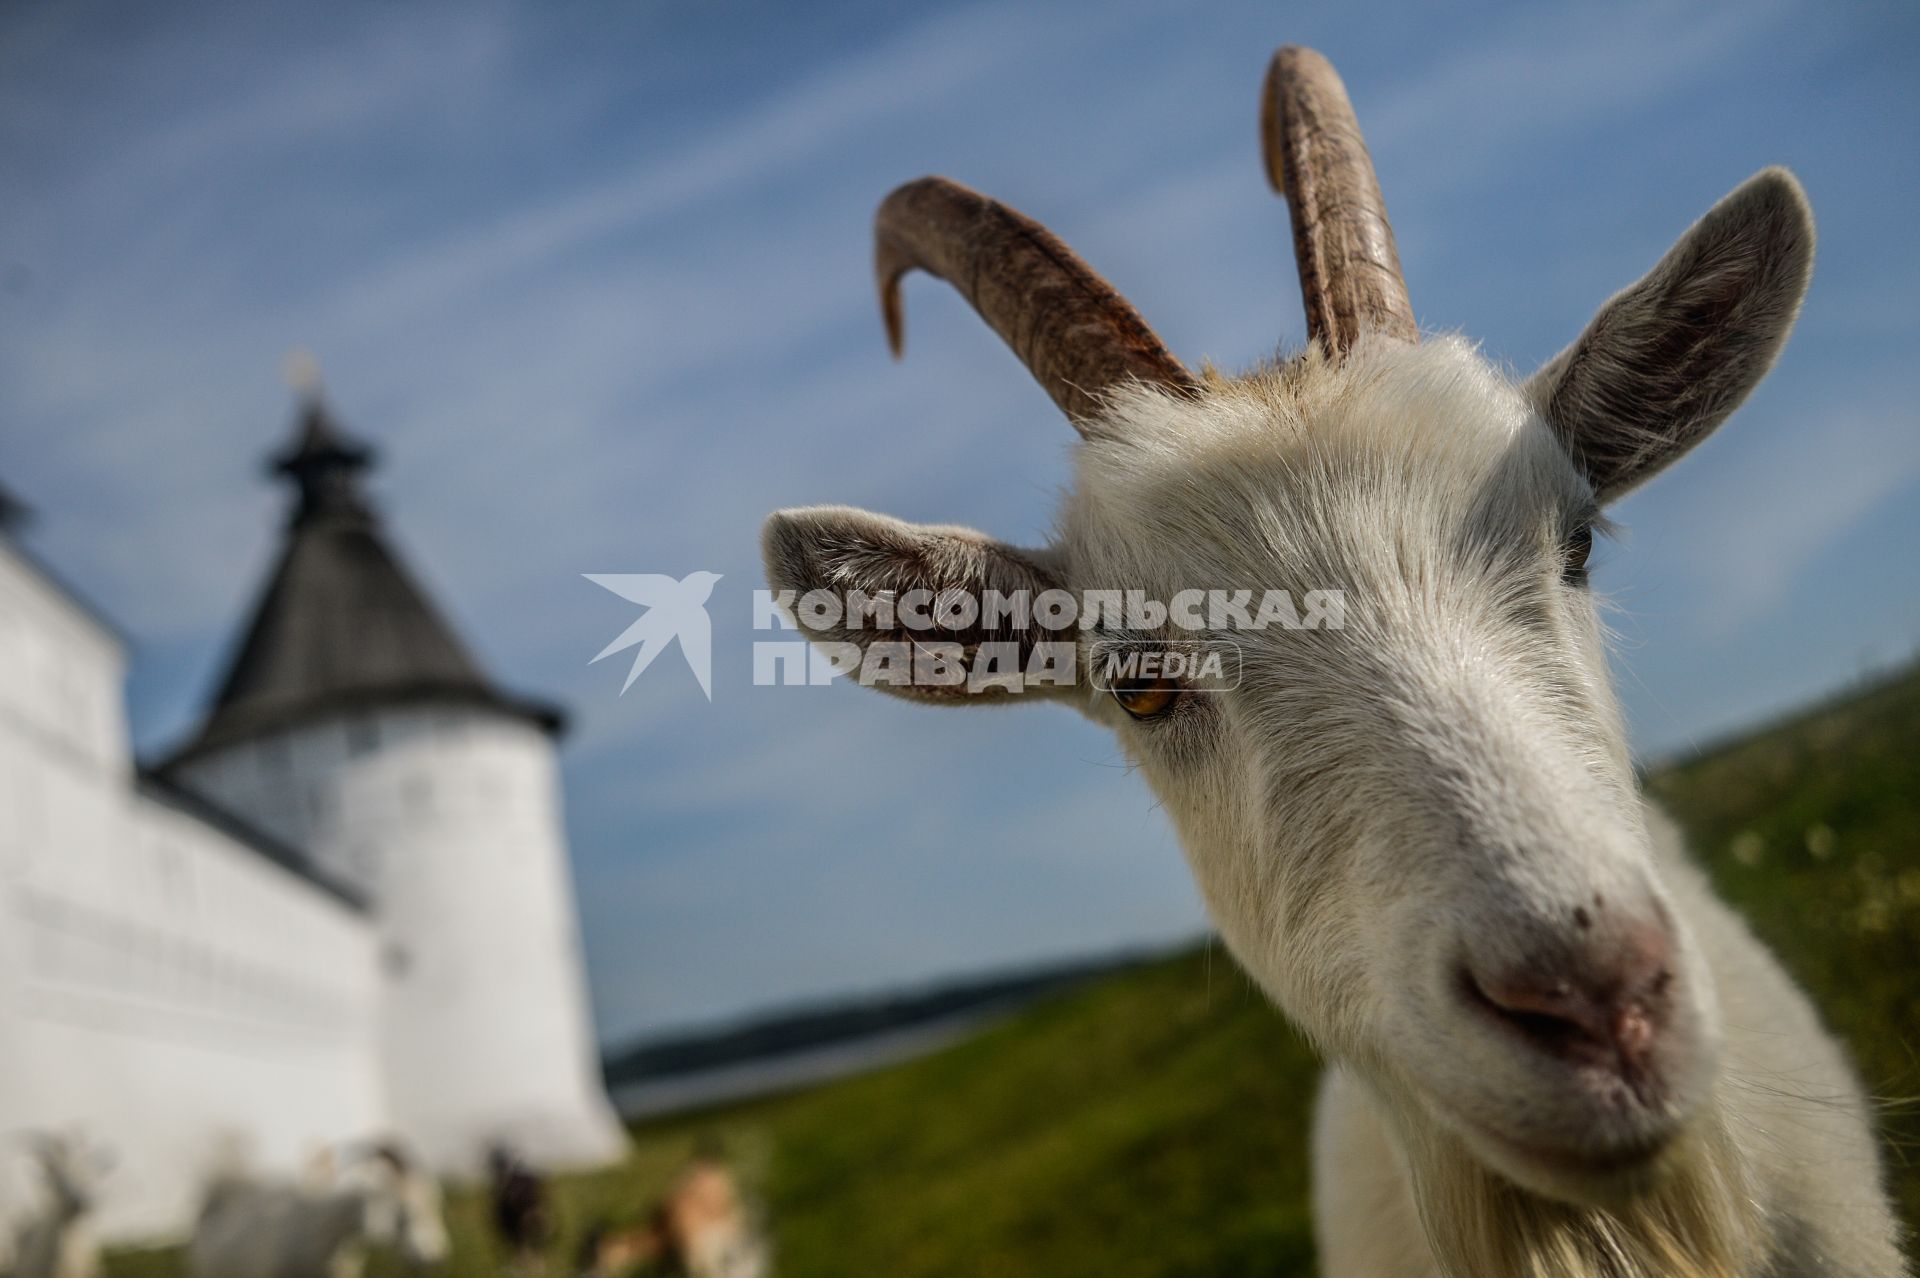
x=1616, y=1029
x=1550, y=1013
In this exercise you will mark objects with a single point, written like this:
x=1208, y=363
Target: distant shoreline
x=793, y=1071
x=784, y=1050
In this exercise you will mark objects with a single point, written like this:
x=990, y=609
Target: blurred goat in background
x=251, y=1228
x=522, y=1213
x=57, y=1241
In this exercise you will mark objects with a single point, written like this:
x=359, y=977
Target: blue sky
x=595, y=277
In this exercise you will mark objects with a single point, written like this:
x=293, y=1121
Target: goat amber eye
x=1579, y=546
x=1146, y=698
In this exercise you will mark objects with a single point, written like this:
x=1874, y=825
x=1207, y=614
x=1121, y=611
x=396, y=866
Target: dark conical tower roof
x=342, y=624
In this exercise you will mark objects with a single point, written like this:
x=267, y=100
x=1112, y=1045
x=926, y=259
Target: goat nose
x=1605, y=1005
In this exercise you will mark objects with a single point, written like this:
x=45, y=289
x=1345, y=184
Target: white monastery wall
x=162, y=986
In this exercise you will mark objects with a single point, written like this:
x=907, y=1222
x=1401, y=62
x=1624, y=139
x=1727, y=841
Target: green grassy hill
x=1812, y=829
x=1155, y=1123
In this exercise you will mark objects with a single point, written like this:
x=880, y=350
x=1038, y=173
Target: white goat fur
x=1449, y=765
x=252, y=1228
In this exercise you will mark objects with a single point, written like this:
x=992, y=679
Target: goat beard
x=1698, y=1220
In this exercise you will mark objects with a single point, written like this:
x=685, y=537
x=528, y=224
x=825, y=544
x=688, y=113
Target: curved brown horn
x=1317, y=159
x=1076, y=335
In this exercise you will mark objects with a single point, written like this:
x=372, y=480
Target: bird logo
x=674, y=610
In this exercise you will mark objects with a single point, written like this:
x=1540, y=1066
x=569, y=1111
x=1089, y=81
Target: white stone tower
x=354, y=725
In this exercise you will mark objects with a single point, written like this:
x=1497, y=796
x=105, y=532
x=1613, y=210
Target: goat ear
x=1669, y=359
x=910, y=644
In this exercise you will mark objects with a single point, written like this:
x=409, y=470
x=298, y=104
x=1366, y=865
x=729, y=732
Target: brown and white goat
x=1551, y=1050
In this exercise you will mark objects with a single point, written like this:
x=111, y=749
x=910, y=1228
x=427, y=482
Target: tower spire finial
x=323, y=462
x=301, y=369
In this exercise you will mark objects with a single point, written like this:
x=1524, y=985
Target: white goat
x=59, y=1241
x=1552, y=1051
x=264, y=1229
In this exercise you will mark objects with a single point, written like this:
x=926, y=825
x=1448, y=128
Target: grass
x=1155, y=1123
x=1812, y=829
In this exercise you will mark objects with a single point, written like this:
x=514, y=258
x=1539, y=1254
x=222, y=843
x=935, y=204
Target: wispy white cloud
x=921, y=67
x=1548, y=71
x=1769, y=499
